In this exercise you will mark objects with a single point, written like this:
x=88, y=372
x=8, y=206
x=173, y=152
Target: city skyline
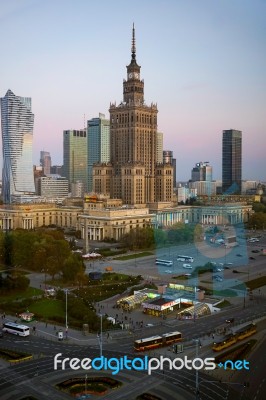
x=203, y=64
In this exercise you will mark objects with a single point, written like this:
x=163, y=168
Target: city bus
x=157, y=341
x=166, y=263
x=16, y=329
x=185, y=258
x=232, y=338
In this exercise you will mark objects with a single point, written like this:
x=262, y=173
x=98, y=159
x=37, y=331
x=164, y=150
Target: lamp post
x=86, y=377
x=66, y=291
x=197, y=372
x=100, y=336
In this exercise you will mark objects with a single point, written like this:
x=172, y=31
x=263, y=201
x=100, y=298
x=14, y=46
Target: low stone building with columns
x=31, y=216
x=226, y=214
x=101, y=218
x=112, y=223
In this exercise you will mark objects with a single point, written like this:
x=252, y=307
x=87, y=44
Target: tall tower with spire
x=133, y=173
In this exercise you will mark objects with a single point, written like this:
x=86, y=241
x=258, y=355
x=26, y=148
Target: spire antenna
x=133, y=48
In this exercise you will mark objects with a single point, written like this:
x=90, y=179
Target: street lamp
x=197, y=371
x=86, y=377
x=66, y=292
x=100, y=336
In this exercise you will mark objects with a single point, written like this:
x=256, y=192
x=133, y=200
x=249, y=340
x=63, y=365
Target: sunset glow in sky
x=203, y=63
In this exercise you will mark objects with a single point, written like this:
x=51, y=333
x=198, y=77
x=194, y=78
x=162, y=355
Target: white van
x=188, y=266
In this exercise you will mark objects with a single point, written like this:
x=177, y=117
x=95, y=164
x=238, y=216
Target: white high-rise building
x=17, y=134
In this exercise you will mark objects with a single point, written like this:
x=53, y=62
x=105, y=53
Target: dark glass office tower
x=232, y=161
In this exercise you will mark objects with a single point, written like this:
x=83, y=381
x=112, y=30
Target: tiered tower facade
x=133, y=174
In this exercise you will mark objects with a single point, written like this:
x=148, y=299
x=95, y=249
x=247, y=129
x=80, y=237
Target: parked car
x=218, y=278
x=255, y=251
x=252, y=258
x=229, y=320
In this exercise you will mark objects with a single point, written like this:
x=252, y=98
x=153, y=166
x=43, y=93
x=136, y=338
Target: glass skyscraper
x=98, y=144
x=232, y=161
x=75, y=156
x=17, y=134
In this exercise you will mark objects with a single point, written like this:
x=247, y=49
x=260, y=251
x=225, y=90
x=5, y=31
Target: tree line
x=41, y=251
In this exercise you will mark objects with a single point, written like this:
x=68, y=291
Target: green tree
x=73, y=268
x=257, y=220
x=7, y=249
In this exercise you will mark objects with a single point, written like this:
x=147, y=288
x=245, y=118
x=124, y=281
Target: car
x=188, y=274
x=218, y=278
x=168, y=271
x=149, y=325
x=255, y=251
x=239, y=255
x=252, y=258
x=229, y=320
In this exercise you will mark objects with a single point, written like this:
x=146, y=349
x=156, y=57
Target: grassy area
x=224, y=304
x=181, y=277
x=48, y=308
x=225, y=293
x=220, y=293
x=133, y=256
x=11, y=355
x=18, y=295
x=253, y=284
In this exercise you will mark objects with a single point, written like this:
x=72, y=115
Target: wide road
x=42, y=367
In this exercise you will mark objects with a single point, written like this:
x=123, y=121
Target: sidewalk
x=50, y=332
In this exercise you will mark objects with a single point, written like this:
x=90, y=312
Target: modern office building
x=184, y=194
x=45, y=162
x=133, y=173
x=202, y=172
x=53, y=186
x=57, y=169
x=17, y=134
x=160, y=147
x=98, y=131
x=77, y=189
x=203, y=187
x=168, y=159
x=75, y=156
x=232, y=161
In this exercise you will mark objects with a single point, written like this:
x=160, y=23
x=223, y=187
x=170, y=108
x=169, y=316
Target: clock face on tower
x=133, y=75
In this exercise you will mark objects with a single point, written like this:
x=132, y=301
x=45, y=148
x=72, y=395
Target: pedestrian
x=54, y=328
x=46, y=325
